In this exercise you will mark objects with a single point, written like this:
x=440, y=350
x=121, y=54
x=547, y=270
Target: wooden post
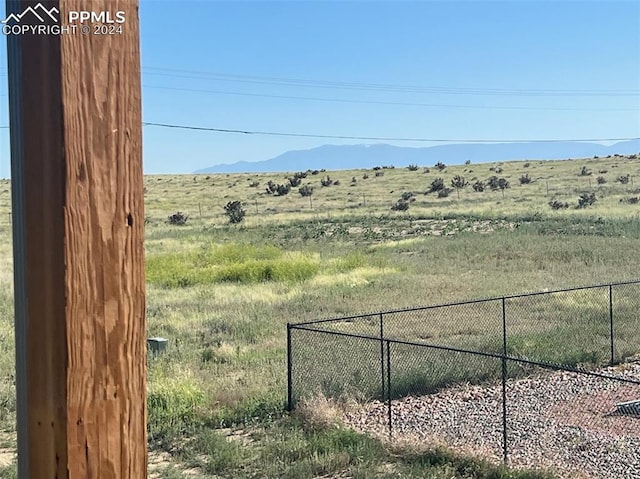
x=78, y=226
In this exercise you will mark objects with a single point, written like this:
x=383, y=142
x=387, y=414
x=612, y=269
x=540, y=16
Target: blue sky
x=452, y=53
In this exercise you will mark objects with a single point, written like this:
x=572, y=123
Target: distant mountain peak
x=358, y=156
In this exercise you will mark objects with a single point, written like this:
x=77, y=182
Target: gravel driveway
x=563, y=421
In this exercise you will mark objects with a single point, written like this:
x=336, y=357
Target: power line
x=376, y=138
x=177, y=73
x=374, y=102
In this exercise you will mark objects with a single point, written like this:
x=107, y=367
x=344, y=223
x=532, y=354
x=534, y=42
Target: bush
x=295, y=181
x=326, y=181
x=306, y=190
x=401, y=205
x=234, y=211
x=584, y=171
x=496, y=183
x=283, y=190
x=558, y=205
x=412, y=167
x=586, y=199
x=271, y=187
x=478, y=186
x=178, y=219
x=436, y=185
x=443, y=193
x=623, y=179
x=467, y=162
x=527, y=165
x=379, y=173
x=406, y=196
x=459, y=182
x=601, y=180
x=254, y=184
x=525, y=179
x=365, y=176
x=440, y=166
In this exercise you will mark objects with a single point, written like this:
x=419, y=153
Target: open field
x=222, y=294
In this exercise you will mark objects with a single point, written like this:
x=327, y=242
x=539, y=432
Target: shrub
x=271, y=187
x=407, y=195
x=632, y=201
x=326, y=181
x=315, y=172
x=354, y=180
x=558, y=205
x=586, y=199
x=306, y=190
x=379, y=173
x=525, y=179
x=336, y=183
x=623, y=179
x=527, y=165
x=234, y=211
x=601, y=180
x=443, y=193
x=300, y=175
x=584, y=171
x=458, y=182
x=376, y=168
x=436, y=185
x=440, y=166
x=478, y=186
x=412, y=167
x=426, y=170
x=365, y=176
x=254, y=184
x=178, y=219
x=283, y=189
x=467, y=162
x=295, y=181
x=401, y=205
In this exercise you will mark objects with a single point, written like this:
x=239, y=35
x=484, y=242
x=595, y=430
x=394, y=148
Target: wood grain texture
x=84, y=256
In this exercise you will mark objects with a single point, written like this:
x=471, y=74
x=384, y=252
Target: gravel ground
x=563, y=421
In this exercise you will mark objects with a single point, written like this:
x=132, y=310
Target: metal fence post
x=611, y=323
x=504, y=381
x=389, y=387
x=289, y=362
x=382, y=356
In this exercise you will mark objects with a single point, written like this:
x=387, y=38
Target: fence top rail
x=505, y=357
x=462, y=303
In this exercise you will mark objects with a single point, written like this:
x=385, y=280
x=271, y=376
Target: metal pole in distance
x=504, y=382
x=389, y=387
x=382, y=356
x=289, y=382
x=611, y=322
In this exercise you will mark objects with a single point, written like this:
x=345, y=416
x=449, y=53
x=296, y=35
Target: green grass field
x=222, y=294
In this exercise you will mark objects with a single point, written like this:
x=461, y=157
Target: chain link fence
x=533, y=380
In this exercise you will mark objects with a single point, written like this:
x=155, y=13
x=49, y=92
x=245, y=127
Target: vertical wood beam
x=77, y=192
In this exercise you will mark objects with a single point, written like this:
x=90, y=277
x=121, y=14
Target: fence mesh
x=569, y=328
x=569, y=422
x=528, y=379
x=625, y=299
x=333, y=365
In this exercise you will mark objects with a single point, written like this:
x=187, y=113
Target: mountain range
x=347, y=157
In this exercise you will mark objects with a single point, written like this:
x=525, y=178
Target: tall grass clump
x=241, y=263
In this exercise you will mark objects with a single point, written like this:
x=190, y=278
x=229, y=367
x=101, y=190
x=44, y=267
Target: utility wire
x=374, y=102
x=376, y=138
x=381, y=86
